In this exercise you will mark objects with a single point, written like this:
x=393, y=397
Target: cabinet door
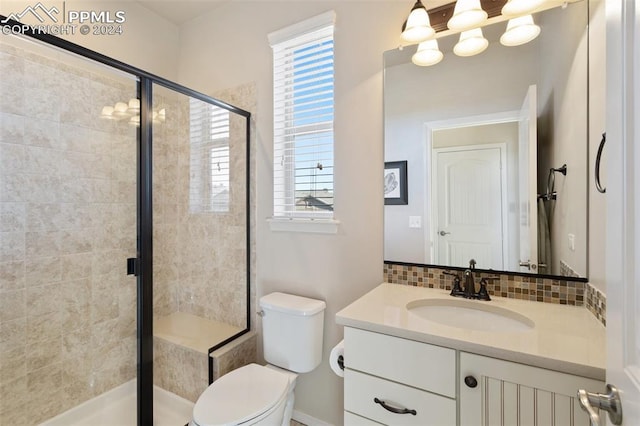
x=508, y=393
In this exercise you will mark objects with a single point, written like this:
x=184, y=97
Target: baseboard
x=308, y=420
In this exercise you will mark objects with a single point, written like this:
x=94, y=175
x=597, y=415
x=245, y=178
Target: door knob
x=609, y=402
x=528, y=265
x=443, y=233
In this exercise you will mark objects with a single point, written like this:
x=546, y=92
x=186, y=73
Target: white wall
x=564, y=139
x=148, y=41
x=597, y=104
x=228, y=47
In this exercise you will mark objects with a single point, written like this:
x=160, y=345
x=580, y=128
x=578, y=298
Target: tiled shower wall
x=67, y=224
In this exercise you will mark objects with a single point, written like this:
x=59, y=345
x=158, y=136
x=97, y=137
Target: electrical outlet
x=572, y=242
x=415, y=221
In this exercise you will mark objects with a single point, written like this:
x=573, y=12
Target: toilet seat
x=240, y=396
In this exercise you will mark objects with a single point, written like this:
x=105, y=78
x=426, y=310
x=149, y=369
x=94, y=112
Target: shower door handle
x=133, y=266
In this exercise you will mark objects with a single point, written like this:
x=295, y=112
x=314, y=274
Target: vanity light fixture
x=131, y=111
x=467, y=14
x=520, y=30
x=471, y=43
x=428, y=54
x=467, y=18
x=417, y=28
x=521, y=7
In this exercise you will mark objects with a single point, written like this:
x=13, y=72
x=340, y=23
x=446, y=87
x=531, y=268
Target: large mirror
x=491, y=151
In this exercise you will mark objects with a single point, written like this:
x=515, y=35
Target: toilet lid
x=240, y=395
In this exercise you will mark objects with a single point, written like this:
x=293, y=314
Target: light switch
x=572, y=242
x=415, y=221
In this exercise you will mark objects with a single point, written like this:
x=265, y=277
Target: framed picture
x=395, y=183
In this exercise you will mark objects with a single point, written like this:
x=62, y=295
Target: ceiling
x=181, y=11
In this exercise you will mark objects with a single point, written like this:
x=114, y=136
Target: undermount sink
x=472, y=315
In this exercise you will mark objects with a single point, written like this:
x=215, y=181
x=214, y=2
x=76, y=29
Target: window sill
x=315, y=226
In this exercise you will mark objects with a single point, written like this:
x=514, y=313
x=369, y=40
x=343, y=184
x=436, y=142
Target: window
x=209, y=157
x=303, y=119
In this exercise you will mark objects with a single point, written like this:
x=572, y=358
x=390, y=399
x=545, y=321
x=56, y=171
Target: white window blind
x=209, y=157
x=303, y=119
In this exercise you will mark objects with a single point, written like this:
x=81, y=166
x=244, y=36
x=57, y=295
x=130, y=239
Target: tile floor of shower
x=118, y=407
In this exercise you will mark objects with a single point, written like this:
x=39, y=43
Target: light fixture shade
x=134, y=120
x=134, y=106
x=107, y=113
x=520, y=30
x=466, y=15
x=417, y=28
x=520, y=7
x=120, y=109
x=471, y=43
x=427, y=54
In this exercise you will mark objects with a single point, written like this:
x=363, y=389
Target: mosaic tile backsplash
x=546, y=290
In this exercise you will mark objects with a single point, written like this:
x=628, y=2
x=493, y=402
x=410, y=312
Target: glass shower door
x=200, y=234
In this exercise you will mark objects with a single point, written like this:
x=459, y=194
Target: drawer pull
x=394, y=409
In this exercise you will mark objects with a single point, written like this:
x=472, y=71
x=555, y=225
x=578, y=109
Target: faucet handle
x=453, y=274
x=472, y=264
x=483, y=294
x=456, y=290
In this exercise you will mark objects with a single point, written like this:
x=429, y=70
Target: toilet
x=292, y=331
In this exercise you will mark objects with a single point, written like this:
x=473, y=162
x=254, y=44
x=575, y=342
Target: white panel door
x=469, y=206
x=527, y=182
x=623, y=205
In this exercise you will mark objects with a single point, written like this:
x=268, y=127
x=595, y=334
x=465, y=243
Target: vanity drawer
x=351, y=419
x=424, y=366
x=360, y=390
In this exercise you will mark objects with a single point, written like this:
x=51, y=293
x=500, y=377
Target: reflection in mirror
x=480, y=136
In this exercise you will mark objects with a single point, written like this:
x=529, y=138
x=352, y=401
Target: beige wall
x=336, y=268
x=148, y=41
x=556, y=61
x=457, y=87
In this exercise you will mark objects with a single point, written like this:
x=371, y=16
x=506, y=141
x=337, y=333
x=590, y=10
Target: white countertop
x=565, y=338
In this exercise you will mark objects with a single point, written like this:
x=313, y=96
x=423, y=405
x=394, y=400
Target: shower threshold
x=118, y=407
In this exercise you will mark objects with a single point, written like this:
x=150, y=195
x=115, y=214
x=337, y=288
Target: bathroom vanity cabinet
x=416, y=383
x=469, y=372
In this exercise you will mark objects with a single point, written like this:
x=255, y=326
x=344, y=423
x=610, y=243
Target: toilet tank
x=292, y=331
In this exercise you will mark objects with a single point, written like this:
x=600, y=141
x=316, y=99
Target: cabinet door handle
x=470, y=381
x=394, y=409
